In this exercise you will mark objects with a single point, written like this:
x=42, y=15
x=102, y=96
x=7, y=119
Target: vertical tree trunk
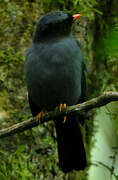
x=106, y=136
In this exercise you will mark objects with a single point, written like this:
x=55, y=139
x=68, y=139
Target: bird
x=55, y=73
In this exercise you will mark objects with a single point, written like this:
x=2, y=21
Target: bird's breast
x=55, y=79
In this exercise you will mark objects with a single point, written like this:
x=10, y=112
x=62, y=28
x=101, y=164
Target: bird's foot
x=62, y=106
x=40, y=115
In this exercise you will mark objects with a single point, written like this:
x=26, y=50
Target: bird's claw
x=62, y=106
x=40, y=115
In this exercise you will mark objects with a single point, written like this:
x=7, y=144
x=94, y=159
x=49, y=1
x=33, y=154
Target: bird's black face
x=54, y=24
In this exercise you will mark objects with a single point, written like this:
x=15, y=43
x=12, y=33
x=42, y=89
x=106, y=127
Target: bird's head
x=54, y=24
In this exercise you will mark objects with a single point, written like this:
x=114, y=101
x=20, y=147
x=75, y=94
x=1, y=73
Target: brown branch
x=102, y=100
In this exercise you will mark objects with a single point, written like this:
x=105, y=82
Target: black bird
x=55, y=74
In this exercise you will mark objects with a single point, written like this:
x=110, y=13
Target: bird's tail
x=70, y=145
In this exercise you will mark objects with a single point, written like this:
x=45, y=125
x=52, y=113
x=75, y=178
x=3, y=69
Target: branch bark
x=99, y=101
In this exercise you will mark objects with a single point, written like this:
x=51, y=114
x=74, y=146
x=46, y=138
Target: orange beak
x=76, y=16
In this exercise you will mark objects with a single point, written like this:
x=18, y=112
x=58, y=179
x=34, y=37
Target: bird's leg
x=62, y=106
x=40, y=115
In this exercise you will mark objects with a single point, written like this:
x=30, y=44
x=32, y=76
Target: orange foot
x=40, y=115
x=62, y=106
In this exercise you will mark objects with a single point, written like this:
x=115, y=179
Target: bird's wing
x=83, y=83
x=35, y=109
x=83, y=80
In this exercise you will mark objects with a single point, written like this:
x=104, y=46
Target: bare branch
x=102, y=100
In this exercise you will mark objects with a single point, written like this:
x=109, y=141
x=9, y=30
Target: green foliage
x=17, y=25
x=17, y=166
x=87, y=8
x=107, y=50
x=108, y=42
x=111, y=42
x=26, y=164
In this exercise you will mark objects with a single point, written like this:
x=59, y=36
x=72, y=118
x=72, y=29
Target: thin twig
x=102, y=100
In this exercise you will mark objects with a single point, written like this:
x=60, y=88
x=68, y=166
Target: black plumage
x=55, y=74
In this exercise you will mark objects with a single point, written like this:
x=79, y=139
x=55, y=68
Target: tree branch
x=102, y=100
